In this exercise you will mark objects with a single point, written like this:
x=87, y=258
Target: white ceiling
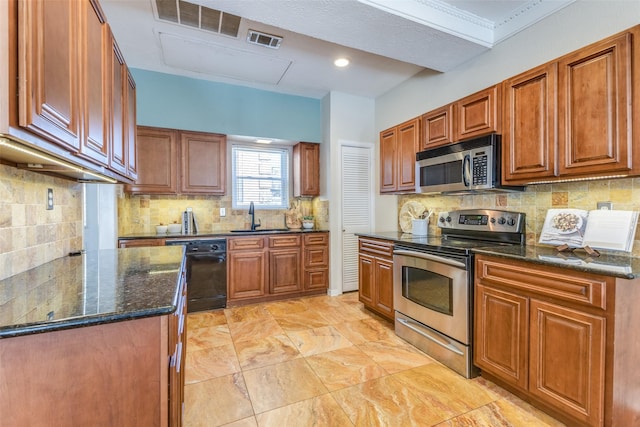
x=387, y=41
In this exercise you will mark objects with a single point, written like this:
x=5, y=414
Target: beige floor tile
x=318, y=340
x=443, y=390
x=267, y=351
x=216, y=402
x=345, y=367
x=395, y=355
x=245, y=422
x=278, y=385
x=204, y=338
x=365, y=330
x=385, y=402
x=211, y=363
x=502, y=413
x=340, y=314
x=204, y=319
x=284, y=308
x=247, y=312
x=301, y=320
x=254, y=329
x=321, y=411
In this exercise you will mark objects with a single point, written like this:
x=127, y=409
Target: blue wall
x=165, y=100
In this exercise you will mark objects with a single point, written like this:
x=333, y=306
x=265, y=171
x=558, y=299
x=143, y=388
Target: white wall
x=575, y=26
x=345, y=118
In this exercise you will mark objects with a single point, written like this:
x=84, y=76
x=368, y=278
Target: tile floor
x=326, y=361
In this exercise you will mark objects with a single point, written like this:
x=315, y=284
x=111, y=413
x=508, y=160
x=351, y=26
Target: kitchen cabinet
x=118, y=73
x=306, y=169
x=316, y=261
x=68, y=103
x=137, y=366
x=437, y=128
x=557, y=338
x=375, y=275
x=140, y=243
x=478, y=114
x=179, y=162
x=398, y=146
x=271, y=267
x=572, y=117
x=132, y=149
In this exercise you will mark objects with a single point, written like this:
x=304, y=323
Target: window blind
x=261, y=176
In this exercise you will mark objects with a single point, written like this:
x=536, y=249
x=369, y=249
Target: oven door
x=434, y=291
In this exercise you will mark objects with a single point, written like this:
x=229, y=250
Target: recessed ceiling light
x=341, y=62
x=263, y=141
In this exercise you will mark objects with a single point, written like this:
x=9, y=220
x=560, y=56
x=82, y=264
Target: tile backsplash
x=31, y=235
x=537, y=199
x=139, y=214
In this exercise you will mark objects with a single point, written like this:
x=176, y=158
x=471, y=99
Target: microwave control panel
x=479, y=168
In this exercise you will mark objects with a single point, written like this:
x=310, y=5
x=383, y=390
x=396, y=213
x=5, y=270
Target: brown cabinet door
x=140, y=243
x=437, y=127
x=284, y=270
x=96, y=85
x=478, y=114
x=408, y=136
x=366, y=279
x=118, y=151
x=501, y=335
x=594, y=98
x=132, y=152
x=530, y=125
x=567, y=360
x=388, y=163
x=246, y=274
x=157, y=162
x=204, y=159
x=383, y=297
x=49, y=70
x=306, y=169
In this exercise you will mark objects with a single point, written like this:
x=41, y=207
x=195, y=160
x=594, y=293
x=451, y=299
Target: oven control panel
x=482, y=220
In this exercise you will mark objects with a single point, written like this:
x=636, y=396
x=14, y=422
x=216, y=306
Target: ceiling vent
x=264, y=39
x=196, y=16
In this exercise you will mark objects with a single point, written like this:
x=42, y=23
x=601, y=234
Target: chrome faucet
x=252, y=212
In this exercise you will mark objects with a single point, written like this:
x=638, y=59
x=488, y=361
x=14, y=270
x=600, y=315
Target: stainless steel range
x=433, y=282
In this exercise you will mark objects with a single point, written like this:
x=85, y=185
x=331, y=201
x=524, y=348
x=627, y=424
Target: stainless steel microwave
x=468, y=166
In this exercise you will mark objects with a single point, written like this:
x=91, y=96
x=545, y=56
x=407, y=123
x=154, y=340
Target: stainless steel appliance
x=468, y=166
x=433, y=282
x=206, y=273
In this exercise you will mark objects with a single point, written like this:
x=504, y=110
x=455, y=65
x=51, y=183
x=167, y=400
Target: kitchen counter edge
x=220, y=234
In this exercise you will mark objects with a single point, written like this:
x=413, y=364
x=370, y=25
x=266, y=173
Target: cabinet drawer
x=316, y=239
x=288, y=241
x=316, y=257
x=376, y=247
x=236, y=244
x=582, y=288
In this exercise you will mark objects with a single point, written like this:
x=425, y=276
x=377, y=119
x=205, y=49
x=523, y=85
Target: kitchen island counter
x=93, y=288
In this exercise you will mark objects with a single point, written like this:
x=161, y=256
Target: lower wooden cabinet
x=140, y=243
x=270, y=267
x=559, y=339
x=375, y=275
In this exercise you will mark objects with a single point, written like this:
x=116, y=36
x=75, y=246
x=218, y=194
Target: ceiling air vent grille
x=196, y=16
x=264, y=39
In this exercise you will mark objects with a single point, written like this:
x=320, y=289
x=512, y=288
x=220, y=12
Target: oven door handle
x=446, y=345
x=430, y=257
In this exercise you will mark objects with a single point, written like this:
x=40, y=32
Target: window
x=261, y=176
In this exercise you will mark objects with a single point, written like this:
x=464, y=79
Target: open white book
x=598, y=229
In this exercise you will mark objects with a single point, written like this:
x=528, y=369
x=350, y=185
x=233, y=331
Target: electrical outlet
x=49, y=199
x=605, y=206
x=223, y=212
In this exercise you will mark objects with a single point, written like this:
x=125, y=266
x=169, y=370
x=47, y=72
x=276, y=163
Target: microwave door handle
x=466, y=170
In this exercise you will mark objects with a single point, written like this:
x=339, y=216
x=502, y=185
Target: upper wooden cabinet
x=530, y=125
x=306, y=169
x=437, y=127
x=172, y=161
x=478, y=114
x=132, y=156
x=203, y=163
x=572, y=117
x=69, y=93
x=398, y=147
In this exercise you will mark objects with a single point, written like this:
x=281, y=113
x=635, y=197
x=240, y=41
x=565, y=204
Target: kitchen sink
x=260, y=230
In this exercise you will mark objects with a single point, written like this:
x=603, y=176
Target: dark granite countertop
x=218, y=234
x=96, y=287
x=617, y=265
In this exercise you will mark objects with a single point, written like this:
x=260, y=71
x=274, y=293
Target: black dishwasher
x=206, y=273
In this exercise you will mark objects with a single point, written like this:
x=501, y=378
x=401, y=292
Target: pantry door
x=357, y=205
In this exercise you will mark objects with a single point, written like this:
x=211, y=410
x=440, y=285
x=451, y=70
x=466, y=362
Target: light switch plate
x=605, y=206
x=223, y=211
x=49, y=199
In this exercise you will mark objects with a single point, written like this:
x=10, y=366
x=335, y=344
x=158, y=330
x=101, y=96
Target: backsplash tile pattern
x=30, y=235
x=139, y=214
x=537, y=199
